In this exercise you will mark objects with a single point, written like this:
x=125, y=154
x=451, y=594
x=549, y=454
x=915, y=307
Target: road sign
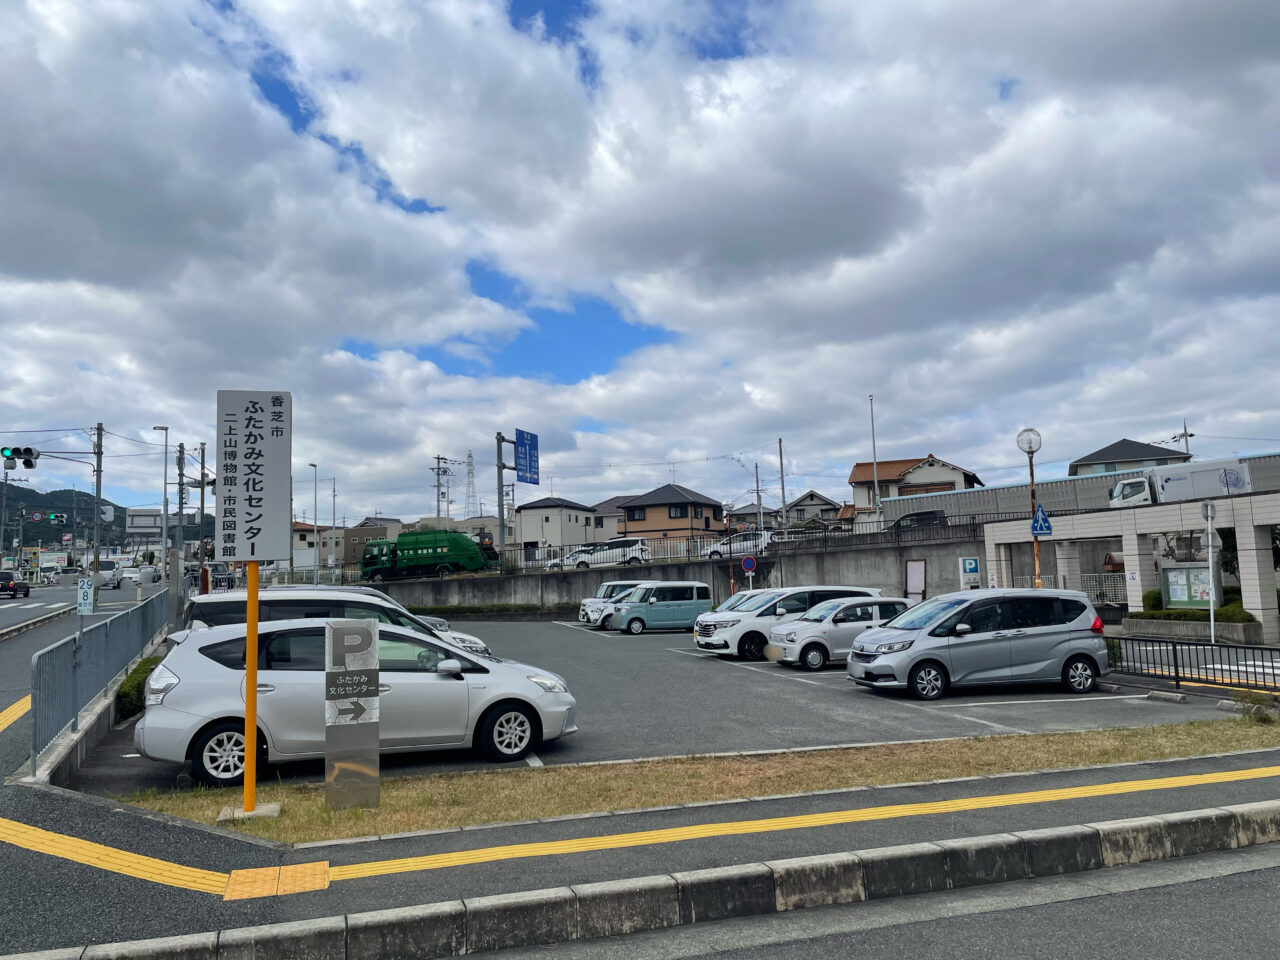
x=351, y=714
x=748, y=564
x=255, y=449
x=66, y=538
x=84, y=596
x=526, y=457
x=1040, y=525
x=36, y=516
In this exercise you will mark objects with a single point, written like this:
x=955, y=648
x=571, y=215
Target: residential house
x=671, y=511
x=554, y=522
x=811, y=505
x=370, y=528
x=471, y=526
x=746, y=516
x=902, y=478
x=609, y=515
x=304, y=543
x=1125, y=455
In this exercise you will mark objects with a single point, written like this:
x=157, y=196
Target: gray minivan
x=662, y=605
x=984, y=636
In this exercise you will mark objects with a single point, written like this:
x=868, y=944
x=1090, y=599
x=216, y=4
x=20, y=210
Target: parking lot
x=656, y=695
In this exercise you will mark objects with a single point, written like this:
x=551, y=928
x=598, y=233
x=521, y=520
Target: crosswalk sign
x=1040, y=525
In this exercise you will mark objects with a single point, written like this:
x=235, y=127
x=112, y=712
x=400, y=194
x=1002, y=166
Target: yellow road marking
x=298, y=878
x=109, y=858
x=702, y=831
x=12, y=712
x=1207, y=682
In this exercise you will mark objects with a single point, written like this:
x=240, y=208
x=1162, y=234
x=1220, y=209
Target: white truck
x=1183, y=481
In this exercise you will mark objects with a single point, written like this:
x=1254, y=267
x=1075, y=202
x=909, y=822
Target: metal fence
x=1221, y=664
x=67, y=676
x=276, y=576
x=1105, y=587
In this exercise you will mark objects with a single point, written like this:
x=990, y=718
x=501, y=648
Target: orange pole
x=251, y=689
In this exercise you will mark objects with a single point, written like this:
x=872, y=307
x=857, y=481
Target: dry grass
x=524, y=793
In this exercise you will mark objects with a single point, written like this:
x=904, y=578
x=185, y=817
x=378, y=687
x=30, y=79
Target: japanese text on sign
x=255, y=450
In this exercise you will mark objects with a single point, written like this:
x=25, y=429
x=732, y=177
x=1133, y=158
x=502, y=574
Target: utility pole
x=759, y=504
x=502, y=516
x=4, y=514
x=333, y=530
x=201, y=522
x=182, y=492
x=782, y=479
x=875, y=463
x=22, y=515
x=97, y=501
x=439, y=470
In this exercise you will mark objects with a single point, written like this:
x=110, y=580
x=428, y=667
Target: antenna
x=471, y=503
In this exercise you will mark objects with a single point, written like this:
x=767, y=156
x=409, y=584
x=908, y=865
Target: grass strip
x=432, y=801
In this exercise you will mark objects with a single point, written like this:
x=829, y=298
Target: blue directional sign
x=1040, y=525
x=526, y=457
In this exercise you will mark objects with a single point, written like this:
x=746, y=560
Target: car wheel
x=751, y=647
x=927, y=680
x=582, y=565
x=217, y=755
x=633, y=562
x=508, y=733
x=715, y=555
x=1080, y=675
x=636, y=626
x=813, y=657
x=605, y=621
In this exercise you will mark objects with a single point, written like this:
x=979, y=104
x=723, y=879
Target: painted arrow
x=355, y=711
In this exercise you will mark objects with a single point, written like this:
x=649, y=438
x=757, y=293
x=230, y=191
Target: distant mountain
x=76, y=504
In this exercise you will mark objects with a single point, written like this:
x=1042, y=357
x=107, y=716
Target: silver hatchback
x=984, y=637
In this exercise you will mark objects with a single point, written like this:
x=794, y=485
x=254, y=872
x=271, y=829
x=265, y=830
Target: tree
x=1230, y=556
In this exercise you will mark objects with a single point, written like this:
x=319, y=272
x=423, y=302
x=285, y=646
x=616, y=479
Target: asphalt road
x=1213, y=907
x=656, y=695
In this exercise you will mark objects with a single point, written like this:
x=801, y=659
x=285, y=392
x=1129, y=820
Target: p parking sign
x=352, y=711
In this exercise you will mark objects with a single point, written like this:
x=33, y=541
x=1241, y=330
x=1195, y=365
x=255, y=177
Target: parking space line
x=574, y=626
x=1030, y=700
x=10, y=714
x=702, y=831
x=990, y=723
x=777, y=672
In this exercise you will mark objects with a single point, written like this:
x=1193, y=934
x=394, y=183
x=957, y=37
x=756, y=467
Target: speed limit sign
x=36, y=516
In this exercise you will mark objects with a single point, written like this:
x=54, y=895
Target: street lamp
x=1029, y=443
x=315, y=516
x=164, y=516
x=727, y=507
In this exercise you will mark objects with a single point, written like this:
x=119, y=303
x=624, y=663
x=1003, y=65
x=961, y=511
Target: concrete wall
x=881, y=566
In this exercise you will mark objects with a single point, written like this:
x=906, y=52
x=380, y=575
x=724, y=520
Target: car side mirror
x=961, y=629
x=451, y=667
x=779, y=611
x=653, y=599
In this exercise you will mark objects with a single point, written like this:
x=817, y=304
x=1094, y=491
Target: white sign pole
x=1208, y=510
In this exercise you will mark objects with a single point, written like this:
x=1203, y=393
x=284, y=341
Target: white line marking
x=533, y=760
x=28, y=606
x=574, y=626
x=1020, y=703
x=6, y=606
x=55, y=606
x=774, y=672
x=989, y=723
x=130, y=755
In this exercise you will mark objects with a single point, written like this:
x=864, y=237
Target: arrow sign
x=355, y=711
x=1040, y=525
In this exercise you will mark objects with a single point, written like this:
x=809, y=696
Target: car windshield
x=106, y=564
x=734, y=601
x=639, y=595
x=923, y=614
x=757, y=602
x=822, y=610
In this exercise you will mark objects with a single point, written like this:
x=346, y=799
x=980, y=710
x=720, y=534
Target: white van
x=744, y=631
x=591, y=608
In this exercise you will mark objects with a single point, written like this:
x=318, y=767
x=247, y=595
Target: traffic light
x=58, y=519
x=28, y=456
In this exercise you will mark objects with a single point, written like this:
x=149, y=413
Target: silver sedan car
x=433, y=696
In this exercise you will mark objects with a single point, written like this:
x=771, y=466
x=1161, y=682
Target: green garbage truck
x=425, y=553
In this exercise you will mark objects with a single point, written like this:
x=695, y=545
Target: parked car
x=740, y=545
x=662, y=605
x=925, y=518
x=11, y=583
x=745, y=630
x=323, y=603
x=591, y=608
x=984, y=636
x=620, y=550
x=825, y=633
x=434, y=696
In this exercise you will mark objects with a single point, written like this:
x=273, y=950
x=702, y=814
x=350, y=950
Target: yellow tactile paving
x=738, y=828
x=303, y=877
x=255, y=882
x=109, y=858
x=12, y=712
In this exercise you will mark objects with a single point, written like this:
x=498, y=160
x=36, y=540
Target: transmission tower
x=471, y=505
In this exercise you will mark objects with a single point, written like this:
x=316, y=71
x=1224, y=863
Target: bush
x=1115, y=652
x=1233, y=613
x=131, y=697
x=1231, y=595
x=1152, y=600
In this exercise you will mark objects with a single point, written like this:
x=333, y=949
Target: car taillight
x=1096, y=626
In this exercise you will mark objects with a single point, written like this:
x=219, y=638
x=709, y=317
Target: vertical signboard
x=526, y=457
x=255, y=487
x=351, y=714
x=970, y=577
x=84, y=596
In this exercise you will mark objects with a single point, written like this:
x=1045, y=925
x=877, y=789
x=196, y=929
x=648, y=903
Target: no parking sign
x=748, y=564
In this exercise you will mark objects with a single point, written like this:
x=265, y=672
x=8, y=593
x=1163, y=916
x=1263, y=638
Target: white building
x=902, y=478
x=555, y=522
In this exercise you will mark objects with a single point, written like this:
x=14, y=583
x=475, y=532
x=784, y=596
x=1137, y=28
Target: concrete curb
x=1167, y=695
x=10, y=632
x=586, y=911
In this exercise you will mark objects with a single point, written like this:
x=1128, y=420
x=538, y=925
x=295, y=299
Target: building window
x=717, y=513
x=697, y=513
x=634, y=514
x=678, y=513
x=1110, y=468
x=800, y=513
x=546, y=519
x=599, y=523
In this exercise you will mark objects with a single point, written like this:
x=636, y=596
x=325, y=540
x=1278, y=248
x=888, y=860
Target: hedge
x=1232, y=613
x=131, y=695
x=1152, y=600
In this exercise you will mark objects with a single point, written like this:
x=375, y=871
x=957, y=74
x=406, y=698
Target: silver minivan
x=984, y=637
x=827, y=632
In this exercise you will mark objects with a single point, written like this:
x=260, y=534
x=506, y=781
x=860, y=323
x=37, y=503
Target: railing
x=1220, y=664
x=283, y=574
x=1105, y=587
x=68, y=675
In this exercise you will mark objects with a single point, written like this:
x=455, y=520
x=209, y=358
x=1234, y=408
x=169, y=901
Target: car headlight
x=790, y=638
x=549, y=684
x=894, y=647
x=161, y=681
x=725, y=624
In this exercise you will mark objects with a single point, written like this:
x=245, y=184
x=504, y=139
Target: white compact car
x=826, y=632
x=322, y=603
x=591, y=610
x=628, y=551
x=433, y=696
x=745, y=629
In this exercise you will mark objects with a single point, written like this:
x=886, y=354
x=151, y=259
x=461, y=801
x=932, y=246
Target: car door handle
x=1018, y=633
x=384, y=688
x=265, y=688
x=1000, y=634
